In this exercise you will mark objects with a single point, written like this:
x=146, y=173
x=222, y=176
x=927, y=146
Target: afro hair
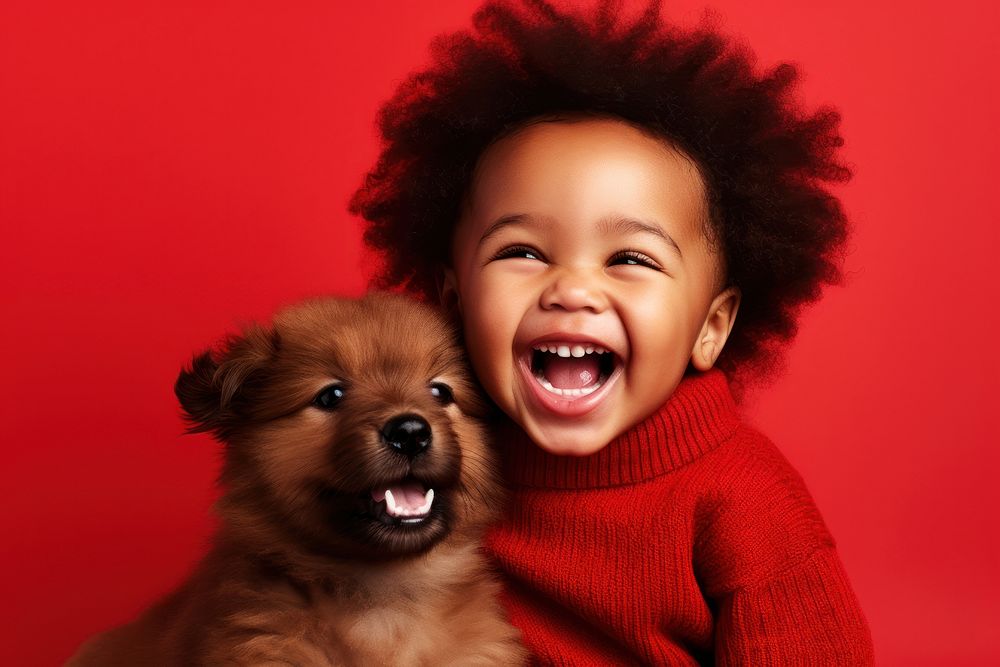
x=767, y=164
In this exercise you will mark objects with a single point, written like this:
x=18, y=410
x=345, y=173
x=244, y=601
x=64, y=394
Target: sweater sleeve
x=769, y=566
x=808, y=616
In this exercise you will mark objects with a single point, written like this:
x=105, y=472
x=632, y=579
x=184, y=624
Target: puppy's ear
x=197, y=393
x=210, y=391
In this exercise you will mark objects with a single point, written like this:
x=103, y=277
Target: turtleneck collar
x=698, y=416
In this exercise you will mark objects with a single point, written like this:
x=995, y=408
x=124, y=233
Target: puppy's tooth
x=428, y=501
x=390, y=503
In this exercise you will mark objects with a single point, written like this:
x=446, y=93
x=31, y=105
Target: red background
x=170, y=170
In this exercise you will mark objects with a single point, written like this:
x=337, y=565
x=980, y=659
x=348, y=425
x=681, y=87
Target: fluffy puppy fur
x=320, y=414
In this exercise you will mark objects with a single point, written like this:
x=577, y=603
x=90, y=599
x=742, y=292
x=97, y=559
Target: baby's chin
x=560, y=435
x=566, y=440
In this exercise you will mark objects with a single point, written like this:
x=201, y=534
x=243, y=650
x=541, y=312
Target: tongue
x=571, y=372
x=408, y=495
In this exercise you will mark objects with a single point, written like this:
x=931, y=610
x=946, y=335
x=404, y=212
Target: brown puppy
x=357, y=483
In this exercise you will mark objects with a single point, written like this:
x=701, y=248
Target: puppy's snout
x=407, y=434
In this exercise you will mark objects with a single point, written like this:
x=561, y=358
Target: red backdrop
x=169, y=170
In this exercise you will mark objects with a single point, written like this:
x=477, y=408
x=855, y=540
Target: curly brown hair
x=766, y=162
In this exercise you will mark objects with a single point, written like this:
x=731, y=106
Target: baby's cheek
x=489, y=350
x=482, y=347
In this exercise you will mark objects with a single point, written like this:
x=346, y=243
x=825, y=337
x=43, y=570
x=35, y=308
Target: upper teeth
x=571, y=350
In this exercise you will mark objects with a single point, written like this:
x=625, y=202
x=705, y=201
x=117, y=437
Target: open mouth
x=404, y=503
x=571, y=370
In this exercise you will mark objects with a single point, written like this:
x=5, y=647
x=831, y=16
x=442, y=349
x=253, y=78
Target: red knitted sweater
x=687, y=540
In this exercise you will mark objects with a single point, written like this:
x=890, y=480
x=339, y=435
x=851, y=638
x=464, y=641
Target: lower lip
x=566, y=406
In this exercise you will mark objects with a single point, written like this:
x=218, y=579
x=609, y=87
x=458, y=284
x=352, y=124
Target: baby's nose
x=573, y=290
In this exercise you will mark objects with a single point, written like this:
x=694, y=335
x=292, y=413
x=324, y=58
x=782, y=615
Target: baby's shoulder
x=756, y=518
x=749, y=466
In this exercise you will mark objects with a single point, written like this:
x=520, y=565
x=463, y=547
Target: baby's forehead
x=570, y=140
x=567, y=166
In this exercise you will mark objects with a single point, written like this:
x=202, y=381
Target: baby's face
x=584, y=279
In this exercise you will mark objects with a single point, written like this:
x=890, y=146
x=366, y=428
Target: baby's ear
x=448, y=291
x=715, y=329
x=210, y=391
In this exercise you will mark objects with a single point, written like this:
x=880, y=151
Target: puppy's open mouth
x=407, y=502
x=571, y=370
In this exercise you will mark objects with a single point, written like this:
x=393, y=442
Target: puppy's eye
x=442, y=392
x=329, y=397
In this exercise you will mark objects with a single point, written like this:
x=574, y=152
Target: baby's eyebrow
x=620, y=224
x=504, y=221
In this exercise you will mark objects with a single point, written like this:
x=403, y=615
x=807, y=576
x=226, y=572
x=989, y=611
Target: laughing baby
x=626, y=217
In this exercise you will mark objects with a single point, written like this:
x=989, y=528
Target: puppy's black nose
x=407, y=434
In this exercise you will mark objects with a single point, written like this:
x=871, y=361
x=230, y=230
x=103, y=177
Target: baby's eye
x=634, y=258
x=517, y=251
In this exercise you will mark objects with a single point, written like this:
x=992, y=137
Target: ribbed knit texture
x=687, y=540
